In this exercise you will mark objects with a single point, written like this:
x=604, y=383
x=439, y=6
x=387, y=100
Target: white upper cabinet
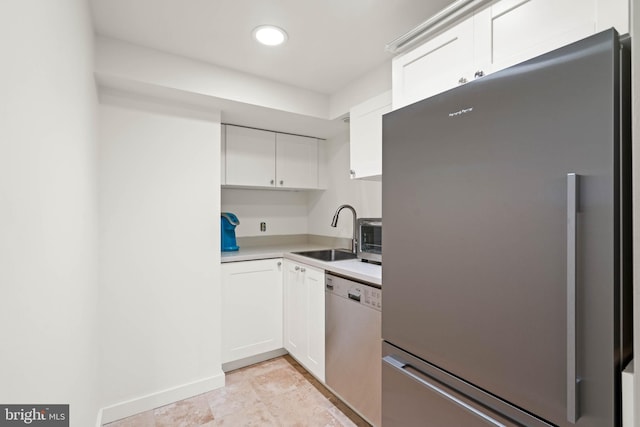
x=264, y=159
x=613, y=14
x=522, y=29
x=250, y=157
x=296, y=161
x=435, y=66
x=503, y=34
x=223, y=160
x=365, y=136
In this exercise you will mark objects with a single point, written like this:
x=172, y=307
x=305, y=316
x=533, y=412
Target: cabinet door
x=613, y=13
x=296, y=161
x=223, y=154
x=435, y=66
x=295, y=324
x=365, y=142
x=304, y=315
x=522, y=29
x=251, y=308
x=250, y=157
x=314, y=284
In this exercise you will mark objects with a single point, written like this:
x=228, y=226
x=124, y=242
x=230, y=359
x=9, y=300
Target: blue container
x=228, y=223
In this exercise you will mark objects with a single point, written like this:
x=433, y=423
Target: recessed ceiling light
x=270, y=35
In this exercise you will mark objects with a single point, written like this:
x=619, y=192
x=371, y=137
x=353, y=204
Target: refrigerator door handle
x=573, y=182
x=402, y=367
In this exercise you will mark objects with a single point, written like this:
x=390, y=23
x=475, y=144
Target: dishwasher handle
x=355, y=297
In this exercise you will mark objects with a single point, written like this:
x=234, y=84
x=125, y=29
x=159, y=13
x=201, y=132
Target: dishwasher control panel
x=372, y=297
x=355, y=291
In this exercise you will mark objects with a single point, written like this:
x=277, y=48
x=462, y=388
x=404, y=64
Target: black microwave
x=370, y=239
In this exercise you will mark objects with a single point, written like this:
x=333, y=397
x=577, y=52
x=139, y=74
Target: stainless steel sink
x=328, y=254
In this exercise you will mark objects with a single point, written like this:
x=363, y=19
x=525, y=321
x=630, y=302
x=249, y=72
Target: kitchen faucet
x=334, y=223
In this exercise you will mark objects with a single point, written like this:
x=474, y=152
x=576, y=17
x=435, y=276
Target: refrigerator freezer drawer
x=415, y=393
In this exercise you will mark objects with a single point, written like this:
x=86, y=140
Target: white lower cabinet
x=304, y=315
x=251, y=308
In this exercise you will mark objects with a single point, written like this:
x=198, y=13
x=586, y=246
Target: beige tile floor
x=278, y=392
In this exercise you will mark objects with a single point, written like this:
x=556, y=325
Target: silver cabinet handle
x=272, y=182
x=462, y=80
x=402, y=367
x=281, y=182
x=279, y=263
x=478, y=73
x=573, y=412
x=302, y=269
x=297, y=268
x=352, y=172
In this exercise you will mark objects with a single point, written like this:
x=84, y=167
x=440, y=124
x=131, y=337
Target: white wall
x=134, y=63
x=285, y=212
x=308, y=212
x=367, y=86
x=364, y=196
x=47, y=206
x=159, y=200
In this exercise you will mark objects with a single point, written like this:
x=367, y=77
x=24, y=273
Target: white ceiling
x=331, y=42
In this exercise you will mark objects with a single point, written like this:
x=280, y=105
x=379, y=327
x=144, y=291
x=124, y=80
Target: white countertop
x=253, y=253
x=354, y=268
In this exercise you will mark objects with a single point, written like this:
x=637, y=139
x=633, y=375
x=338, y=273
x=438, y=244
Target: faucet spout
x=334, y=223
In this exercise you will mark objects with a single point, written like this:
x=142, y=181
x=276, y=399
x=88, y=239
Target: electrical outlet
x=263, y=226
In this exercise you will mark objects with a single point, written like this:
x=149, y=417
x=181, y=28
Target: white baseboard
x=99, y=418
x=247, y=361
x=157, y=399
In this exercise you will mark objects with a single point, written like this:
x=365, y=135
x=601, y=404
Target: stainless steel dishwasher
x=353, y=345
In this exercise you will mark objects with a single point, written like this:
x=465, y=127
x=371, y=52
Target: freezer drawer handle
x=573, y=188
x=402, y=367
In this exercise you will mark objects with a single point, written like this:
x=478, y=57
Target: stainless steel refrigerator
x=506, y=276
